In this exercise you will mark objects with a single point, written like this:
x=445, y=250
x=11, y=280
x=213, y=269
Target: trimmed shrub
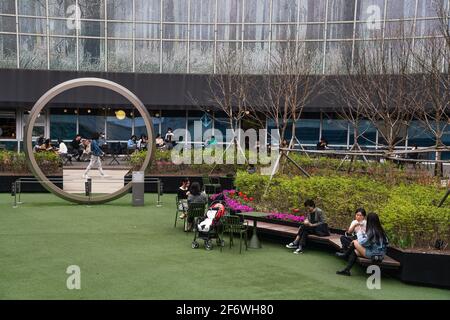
x=408, y=212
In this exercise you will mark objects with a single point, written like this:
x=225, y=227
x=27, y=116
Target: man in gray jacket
x=313, y=224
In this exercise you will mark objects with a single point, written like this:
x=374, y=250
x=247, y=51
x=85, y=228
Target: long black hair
x=195, y=188
x=374, y=230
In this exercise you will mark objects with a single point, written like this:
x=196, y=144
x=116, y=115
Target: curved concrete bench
x=332, y=240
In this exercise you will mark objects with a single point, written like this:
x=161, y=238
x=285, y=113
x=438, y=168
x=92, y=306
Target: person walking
x=96, y=153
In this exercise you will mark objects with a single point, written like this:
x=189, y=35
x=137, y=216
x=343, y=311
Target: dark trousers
x=346, y=241
x=304, y=231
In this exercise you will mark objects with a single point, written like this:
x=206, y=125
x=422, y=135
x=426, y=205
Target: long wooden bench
x=332, y=240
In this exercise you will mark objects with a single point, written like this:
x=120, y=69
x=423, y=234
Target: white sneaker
x=291, y=246
x=299, y=250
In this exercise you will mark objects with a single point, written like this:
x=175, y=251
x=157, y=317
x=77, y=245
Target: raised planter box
x=6, y=182
x=430, y=269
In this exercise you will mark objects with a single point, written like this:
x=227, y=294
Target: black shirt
x=75, y=144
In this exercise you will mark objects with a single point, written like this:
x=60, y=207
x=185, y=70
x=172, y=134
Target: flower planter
x=424, y=268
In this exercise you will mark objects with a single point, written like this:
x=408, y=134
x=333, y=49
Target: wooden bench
x=333, y=240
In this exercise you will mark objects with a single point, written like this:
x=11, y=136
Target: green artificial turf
x=127, y=252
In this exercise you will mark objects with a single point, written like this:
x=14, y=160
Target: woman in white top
x=62, y=148
x=357, y=225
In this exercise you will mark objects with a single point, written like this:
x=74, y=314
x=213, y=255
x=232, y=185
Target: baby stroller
x=208, y=227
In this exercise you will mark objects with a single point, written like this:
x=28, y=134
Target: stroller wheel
x=195, y=245
x=208, y=245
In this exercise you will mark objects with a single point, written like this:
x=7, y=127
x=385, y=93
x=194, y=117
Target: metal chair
x=211, y=185
x=233, y=224
x=178, y=203
x=195, y=210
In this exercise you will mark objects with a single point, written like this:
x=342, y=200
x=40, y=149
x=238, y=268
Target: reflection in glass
x=256, y=32
x=33, y=25
x=8, y=51
x=175, y=10
x=147, y=56
x=63, y=55
x=312, y=10
x=33, y=52
x=308, y=131
x=8, y=7
x=174, y=56
x=341, y=10
x=32, y=8
x=120, y=10
x=256, y=56
x=92, y=9
x=229, y=11
x=257, y=11
x=148, y=10
x=284, y=11
x=370, y=9
x=147, y=31
x=60, y=28
x=335, y=131
x=63, y=124
x=367, y=133
x=8, y=124
x=92, y=54
x=120, y=55
x=203, y=11
x=7, y=24
x=201, y=57
x=119, y=129
x=58, y=8
x=91, y=121
x=338, y=57
x=120, y=30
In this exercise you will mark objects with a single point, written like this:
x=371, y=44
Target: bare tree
x=228, y=90
x=382, y=83
x=290, y=84
x=432, y=61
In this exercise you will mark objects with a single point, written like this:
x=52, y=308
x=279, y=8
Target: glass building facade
x=187, y=36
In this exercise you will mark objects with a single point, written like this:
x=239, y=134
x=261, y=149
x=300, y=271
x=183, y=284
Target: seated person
x=313, y=224
x=322, y=144
x=183, y=193
x=195, y=196
x=142, y=143
x=62, y=148
x=77, y=148
x=159, y=141
x=132, y=143
x=46, y=146
x=39, y=142
x=371, y=244
x=359, y=224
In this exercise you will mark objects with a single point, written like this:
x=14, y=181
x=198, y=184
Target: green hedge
x=409, y=213
x=14, y=162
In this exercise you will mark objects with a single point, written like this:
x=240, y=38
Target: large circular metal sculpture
x=47, y=97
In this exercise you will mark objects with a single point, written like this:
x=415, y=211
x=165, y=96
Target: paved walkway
x=74, y=182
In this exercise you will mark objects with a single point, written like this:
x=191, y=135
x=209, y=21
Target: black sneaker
x=291, y=246
x=343, y=273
